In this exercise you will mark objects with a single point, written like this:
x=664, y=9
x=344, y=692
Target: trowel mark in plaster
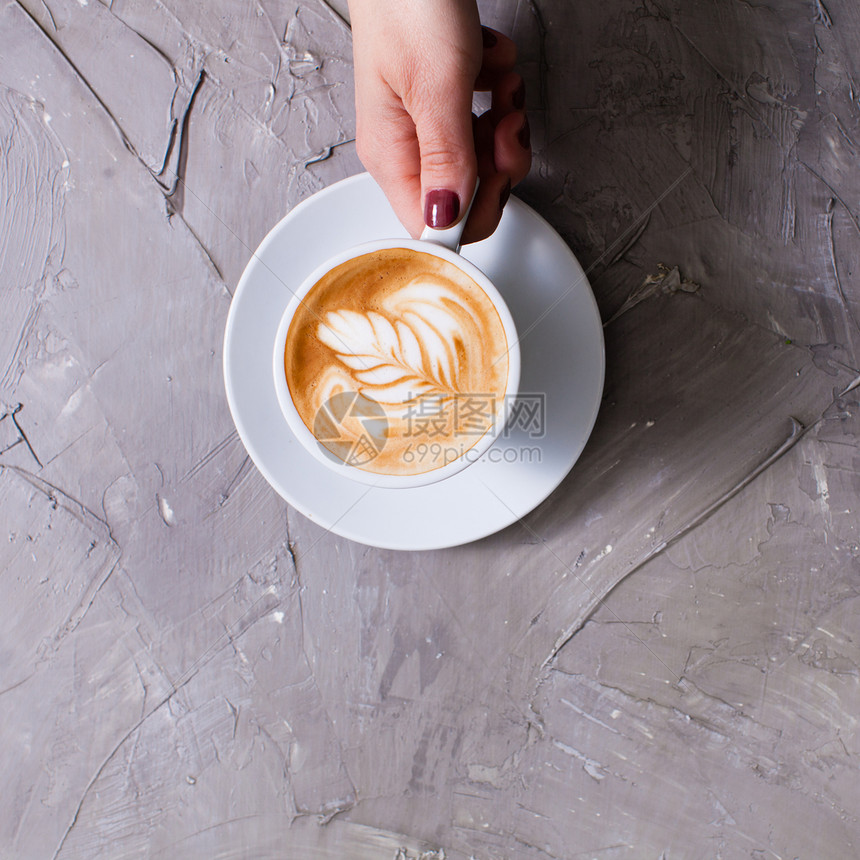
x=19, y=435
x=165, y=511
x=32, y=234
x=797, y=432
x=404, y=854
x=174, y=191
x=820, y=474
x=604, y=552
x=855, y=383
x=666, y=280
x=822, y=499
x=594, y=769
x=67, y=522
x=172, y=150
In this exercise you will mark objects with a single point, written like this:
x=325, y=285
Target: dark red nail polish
x=506, y=193
x=524, y=136
x=441, y=208
x=489, y=37
x=518, y=99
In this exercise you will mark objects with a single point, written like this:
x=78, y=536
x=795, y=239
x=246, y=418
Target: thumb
x=448, y=162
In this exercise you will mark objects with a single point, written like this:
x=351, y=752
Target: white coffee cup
x=438, y=243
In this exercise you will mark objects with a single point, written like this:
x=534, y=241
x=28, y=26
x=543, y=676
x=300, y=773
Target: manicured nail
x=524, y=136
x=489, y=37
x=441, y=208
x=506, y=193
x=518, y=99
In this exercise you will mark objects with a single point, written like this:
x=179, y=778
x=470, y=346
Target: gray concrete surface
x=661, y=661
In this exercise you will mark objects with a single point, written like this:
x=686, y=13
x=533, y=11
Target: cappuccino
x=397, y=362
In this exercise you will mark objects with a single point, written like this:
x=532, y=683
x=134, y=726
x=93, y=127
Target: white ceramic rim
x=309, y=441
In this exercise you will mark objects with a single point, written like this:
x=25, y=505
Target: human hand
x=417, y=64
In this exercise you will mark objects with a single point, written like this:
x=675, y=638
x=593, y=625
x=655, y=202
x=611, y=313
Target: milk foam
x=413, y=347
x=409, y=331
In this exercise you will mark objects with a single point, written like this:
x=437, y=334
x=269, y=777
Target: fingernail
x=524, y=136
x=441, y=208
x=519, y=97
x=506, y=193
x=489, y=37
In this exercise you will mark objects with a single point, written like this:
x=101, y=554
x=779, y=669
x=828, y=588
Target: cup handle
x=450, y=237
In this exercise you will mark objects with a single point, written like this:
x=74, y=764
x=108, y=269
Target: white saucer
x=561, y=339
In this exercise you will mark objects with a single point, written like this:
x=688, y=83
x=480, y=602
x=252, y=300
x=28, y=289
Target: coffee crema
x=397, y=362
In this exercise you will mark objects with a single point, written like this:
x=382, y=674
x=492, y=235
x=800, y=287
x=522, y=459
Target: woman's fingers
x=414, y=130
x=499, y=56
x=415, y=68
x=509, y=95
x=503, y=149
x=495, y=187
x=487, y=209
x=388, y=147
x=512, y=152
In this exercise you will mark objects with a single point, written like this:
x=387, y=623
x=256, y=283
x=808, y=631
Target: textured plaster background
x=661, y=661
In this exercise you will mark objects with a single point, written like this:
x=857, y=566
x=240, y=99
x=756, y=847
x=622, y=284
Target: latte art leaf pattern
x=395, y=361
x=413, y=334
